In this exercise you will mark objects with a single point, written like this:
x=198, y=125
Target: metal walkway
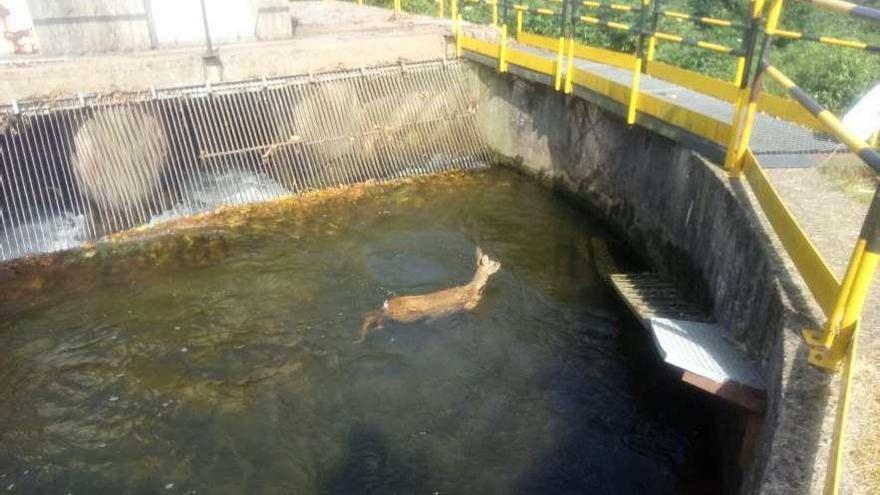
x=776, y=143
x=688, y=339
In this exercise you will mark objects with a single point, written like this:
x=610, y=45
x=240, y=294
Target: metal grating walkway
x=688, y=339
x=776, y=143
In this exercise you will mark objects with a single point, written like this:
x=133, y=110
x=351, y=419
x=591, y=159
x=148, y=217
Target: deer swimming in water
x=410, y=309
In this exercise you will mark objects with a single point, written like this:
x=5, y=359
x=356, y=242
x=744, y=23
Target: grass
x=849, y=174
x=862, y=462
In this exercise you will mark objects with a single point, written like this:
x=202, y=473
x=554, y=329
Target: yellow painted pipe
x=458, y=35
x=519, y=22
x=634, y=92
x=859, y=292
x=715, y=47
x=773, y=15
x=834, y=5
x=843, y=296
x=840, y=131
x=502, y=50
x=740, y=71
x=569, y=84
x=775, y=11
x=733, y=137
x=745, y=137
x=832, y=473
x=557, y=84
x=757, y=9
x=495, y=13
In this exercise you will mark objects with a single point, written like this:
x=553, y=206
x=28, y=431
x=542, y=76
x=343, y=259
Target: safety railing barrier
x=549, y=14
x=842, y=301
x=747, y=98
x=837, y=341
x=479, y=11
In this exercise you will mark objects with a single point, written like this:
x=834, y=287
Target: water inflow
x=236, y=371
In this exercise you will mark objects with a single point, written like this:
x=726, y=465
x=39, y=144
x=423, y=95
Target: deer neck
x=481, y=277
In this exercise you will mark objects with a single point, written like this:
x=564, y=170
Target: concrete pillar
x=91, y=26
x=273, y=20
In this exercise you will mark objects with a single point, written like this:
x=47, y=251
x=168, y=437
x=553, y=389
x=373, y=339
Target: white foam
x=68, y=230
x=56, y=233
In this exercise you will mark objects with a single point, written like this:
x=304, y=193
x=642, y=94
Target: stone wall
x=689, y=221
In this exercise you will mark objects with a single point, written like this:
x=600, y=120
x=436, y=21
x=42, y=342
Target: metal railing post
x=652, y=41
x=643, y=24
x=458, y=30
x=519, y=20
x=750, y=42
x=741, y=130
x=502, y=50
x=209, y=45
x=561, y=20
x=829, y=347
x=560, y=58
x=569, y=68
x=638, y=65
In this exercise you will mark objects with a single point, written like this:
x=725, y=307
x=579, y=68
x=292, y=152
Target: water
x=210, y=191
x=228, y=366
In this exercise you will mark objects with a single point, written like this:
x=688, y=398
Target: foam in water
x=228, y=366
x=68, y=230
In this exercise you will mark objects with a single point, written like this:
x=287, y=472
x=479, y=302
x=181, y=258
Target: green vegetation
x=835, y=76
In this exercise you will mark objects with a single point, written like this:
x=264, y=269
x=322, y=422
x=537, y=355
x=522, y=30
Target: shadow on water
x=371, y=466
x=605, y=160
x=240, y=374
x=649, y=434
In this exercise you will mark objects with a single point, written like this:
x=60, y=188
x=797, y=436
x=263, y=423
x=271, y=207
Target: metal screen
x=77, y=169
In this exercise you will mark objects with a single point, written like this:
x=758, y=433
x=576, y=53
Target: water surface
x=235, y=371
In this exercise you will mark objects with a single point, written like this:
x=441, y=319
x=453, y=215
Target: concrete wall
x=66, y=27
x=185, y=66
x=273, y=20
x=91, y=26
x=332, y=35
x=689, y=221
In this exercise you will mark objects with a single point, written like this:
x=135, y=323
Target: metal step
x=688, y=339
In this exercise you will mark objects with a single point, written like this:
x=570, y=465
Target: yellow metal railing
x=841, y=301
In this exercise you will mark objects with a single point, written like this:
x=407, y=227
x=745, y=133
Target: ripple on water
x=239, y=374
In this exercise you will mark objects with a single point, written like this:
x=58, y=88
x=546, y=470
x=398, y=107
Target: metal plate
x=701, y=349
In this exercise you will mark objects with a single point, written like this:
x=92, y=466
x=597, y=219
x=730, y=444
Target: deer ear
x=479, y=254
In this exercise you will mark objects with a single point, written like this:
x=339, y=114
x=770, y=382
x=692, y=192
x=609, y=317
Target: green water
x=237, y=373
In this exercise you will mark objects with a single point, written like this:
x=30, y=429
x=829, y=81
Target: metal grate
x=73, y=170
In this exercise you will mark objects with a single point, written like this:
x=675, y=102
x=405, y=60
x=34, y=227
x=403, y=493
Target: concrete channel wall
x=92, y=26
x=692, y=223
x=327, y=36
x=87, y=27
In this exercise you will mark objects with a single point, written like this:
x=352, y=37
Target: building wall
x=67, y=27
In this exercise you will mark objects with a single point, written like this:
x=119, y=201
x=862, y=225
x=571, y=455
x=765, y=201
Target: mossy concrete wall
x=688, y=220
